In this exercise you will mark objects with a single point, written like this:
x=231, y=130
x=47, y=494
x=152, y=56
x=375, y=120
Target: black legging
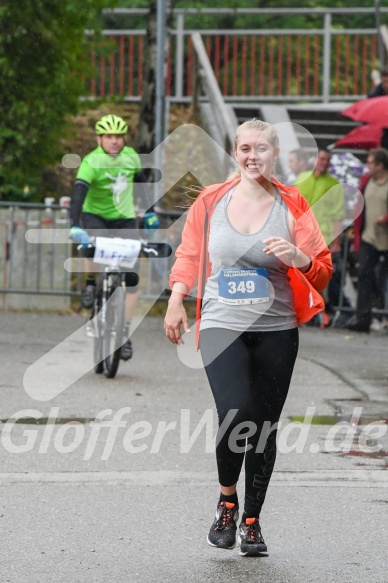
x=249, y=373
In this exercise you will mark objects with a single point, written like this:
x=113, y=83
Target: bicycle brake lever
x=150, y=250
x=79, y=247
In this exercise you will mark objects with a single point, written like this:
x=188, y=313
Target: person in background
x=297, y=163
x=371, y=239
x=382, y=88
x=326, y=197
x=379, y=91
x=259, y=257
x=103, y=202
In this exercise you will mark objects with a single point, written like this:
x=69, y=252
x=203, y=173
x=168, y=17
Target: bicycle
x=108, y=313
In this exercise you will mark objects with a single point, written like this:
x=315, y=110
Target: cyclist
x=103, y=200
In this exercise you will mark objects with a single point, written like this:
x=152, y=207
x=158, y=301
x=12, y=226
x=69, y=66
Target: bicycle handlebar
x=147, y=248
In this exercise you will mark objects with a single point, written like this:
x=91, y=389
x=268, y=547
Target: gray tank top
x=247, y=288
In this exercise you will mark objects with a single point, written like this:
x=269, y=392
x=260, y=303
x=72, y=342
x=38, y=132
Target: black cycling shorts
x=100, y=227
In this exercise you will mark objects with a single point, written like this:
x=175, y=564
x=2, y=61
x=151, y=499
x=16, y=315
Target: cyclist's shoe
x=126, y=350
x=87, y=296
x=251, y=540
x=90, y=330
x=223, y=530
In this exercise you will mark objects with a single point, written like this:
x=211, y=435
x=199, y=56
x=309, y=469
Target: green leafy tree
x=43, y=57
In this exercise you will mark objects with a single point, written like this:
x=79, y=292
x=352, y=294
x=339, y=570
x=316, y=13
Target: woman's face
x=255, y=155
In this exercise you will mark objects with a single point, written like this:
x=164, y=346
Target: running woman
x=259, y=257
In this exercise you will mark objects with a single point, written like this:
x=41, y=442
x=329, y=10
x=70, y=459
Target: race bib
x=243, y=286
x=109, y=250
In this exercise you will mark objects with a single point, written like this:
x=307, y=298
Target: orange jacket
x=192, y=259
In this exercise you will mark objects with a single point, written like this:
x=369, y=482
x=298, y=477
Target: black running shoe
x=223, y=531
x=126, y=350
x=87, y=296
x=251, y=540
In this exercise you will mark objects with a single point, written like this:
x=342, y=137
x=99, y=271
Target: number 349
x=242, y=287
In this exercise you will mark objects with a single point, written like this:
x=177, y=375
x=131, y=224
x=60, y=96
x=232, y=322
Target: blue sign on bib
x=243, y=286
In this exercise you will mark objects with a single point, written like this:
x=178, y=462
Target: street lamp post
x=159, y=89
x=160, y=70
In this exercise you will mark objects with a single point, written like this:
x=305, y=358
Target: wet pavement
x=84, y=499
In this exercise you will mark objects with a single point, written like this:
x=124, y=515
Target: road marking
x=317, y=478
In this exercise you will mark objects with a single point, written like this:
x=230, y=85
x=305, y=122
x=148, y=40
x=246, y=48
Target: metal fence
x=345, y=278
x=219, y=119
x=328, y=63
x=33, y=274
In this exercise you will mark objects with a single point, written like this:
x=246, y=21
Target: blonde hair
x=261, y=126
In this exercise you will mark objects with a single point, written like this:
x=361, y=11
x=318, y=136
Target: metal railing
x=345, y=274
x=219, y=119
x=33, y=270
x=384, y=35
x=326, y=63
x=33, y=275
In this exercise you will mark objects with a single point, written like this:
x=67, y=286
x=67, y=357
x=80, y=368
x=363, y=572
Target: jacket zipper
x=203, y=283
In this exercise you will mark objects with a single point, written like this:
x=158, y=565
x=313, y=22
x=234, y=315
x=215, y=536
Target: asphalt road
x=88, y=502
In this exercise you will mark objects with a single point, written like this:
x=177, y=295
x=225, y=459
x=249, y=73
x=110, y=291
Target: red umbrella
x=361, y=138
x=373, y=110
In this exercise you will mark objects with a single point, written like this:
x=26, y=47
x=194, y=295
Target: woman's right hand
x=176, y=317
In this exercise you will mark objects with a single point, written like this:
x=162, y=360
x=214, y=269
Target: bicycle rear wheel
x=113, y=329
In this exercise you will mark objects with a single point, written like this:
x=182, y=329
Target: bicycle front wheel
x=97, y=348
x=113, y=331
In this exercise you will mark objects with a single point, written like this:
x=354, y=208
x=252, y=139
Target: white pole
x=326, y=58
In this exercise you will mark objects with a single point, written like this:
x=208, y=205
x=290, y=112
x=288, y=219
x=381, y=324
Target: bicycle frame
x=109, y=306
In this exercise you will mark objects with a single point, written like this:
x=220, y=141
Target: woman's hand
x=176, y=317
x=287, y=252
